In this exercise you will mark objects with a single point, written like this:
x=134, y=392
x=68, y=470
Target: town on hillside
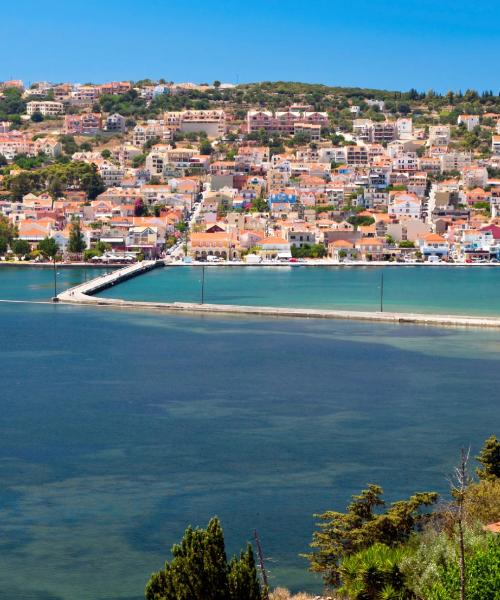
x=256, y=172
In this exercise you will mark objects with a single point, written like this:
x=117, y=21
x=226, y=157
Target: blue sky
x=385, y=43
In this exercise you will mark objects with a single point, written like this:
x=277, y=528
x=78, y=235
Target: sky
x=386, y=44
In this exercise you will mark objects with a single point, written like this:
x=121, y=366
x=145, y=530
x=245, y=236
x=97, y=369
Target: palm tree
x=374, y=574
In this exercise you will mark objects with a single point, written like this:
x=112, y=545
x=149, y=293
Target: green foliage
x=199, y=570
x=56, y=178
x=3, y=245
x=29, y=162
x=138, y=160
x=68, y=143
x=49, y=248
x=37, y=117
x=489, y=457
x=482, y=501
x=432, y=567
x=106, y=154
x=309, y=251
x=206, y=147
x=360, y=220
x=406, y=244
x=76, y=243
x=8, y=231
x=374, y=574
x=11, y=104
x=259, y=205
x=342, y=534
x=20, y=247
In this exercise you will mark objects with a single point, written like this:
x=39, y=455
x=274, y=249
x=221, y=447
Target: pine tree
x=489, y=457
x=199, y=570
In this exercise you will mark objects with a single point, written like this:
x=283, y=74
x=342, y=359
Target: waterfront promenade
x=84, y=294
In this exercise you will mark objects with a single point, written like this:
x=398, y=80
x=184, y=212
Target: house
x=274, y=247
x=470, y=121
x=372, y=248
x=339, y=250
x=49, y=146
x=433, y=244
x=145, y=239
x=405, y=204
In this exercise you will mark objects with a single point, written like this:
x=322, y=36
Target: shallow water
x=438, y=289
x=118, y=429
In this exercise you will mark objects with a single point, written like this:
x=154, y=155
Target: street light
x=202, y=284
x=382, y=291
x=55, y=298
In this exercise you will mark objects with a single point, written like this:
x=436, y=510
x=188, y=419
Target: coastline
x=235, y=263
x=83, y=294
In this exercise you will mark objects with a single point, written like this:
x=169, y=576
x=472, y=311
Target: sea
x=119, y=428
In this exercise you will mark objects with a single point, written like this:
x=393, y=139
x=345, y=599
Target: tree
x=342, y=534
x=49, y=248
x=76, y=243
x=37, y=117
x=8, y=231
x=139, y=208
x=3, y=245
x=206, y=147
x=489, y=457
x=106, y=154
x=199, y=570
x=55, y=187
x=20, y=247
x=373, y=574
x=3, y=161
x=92, y=183
x=217, y=84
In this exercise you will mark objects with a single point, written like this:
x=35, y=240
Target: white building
x=47, y=108
x=470, y=121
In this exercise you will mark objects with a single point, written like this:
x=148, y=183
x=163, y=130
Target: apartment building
x=311, y=130
x=211, y=122
x=439, y=135
x=116, y=122
x=356, y=155
x=84, y=124
x=366, y=130
x=454, y=161
x=47, y=108
x=283, y=121
x=150, y=131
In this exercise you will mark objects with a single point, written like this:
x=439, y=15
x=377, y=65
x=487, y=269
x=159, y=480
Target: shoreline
x=235, y=263
x=83, y=294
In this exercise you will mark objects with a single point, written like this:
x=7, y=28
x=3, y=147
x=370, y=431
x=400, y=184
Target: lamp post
x=203, y=284
x=382, y=291
x=55, y=298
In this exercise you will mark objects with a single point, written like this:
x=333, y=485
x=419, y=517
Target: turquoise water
x=118, y=429
x=37, y=283
x=458, y=290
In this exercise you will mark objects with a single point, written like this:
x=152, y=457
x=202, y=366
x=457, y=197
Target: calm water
x=440, y=289
x=37, y=283
x=118, y=429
